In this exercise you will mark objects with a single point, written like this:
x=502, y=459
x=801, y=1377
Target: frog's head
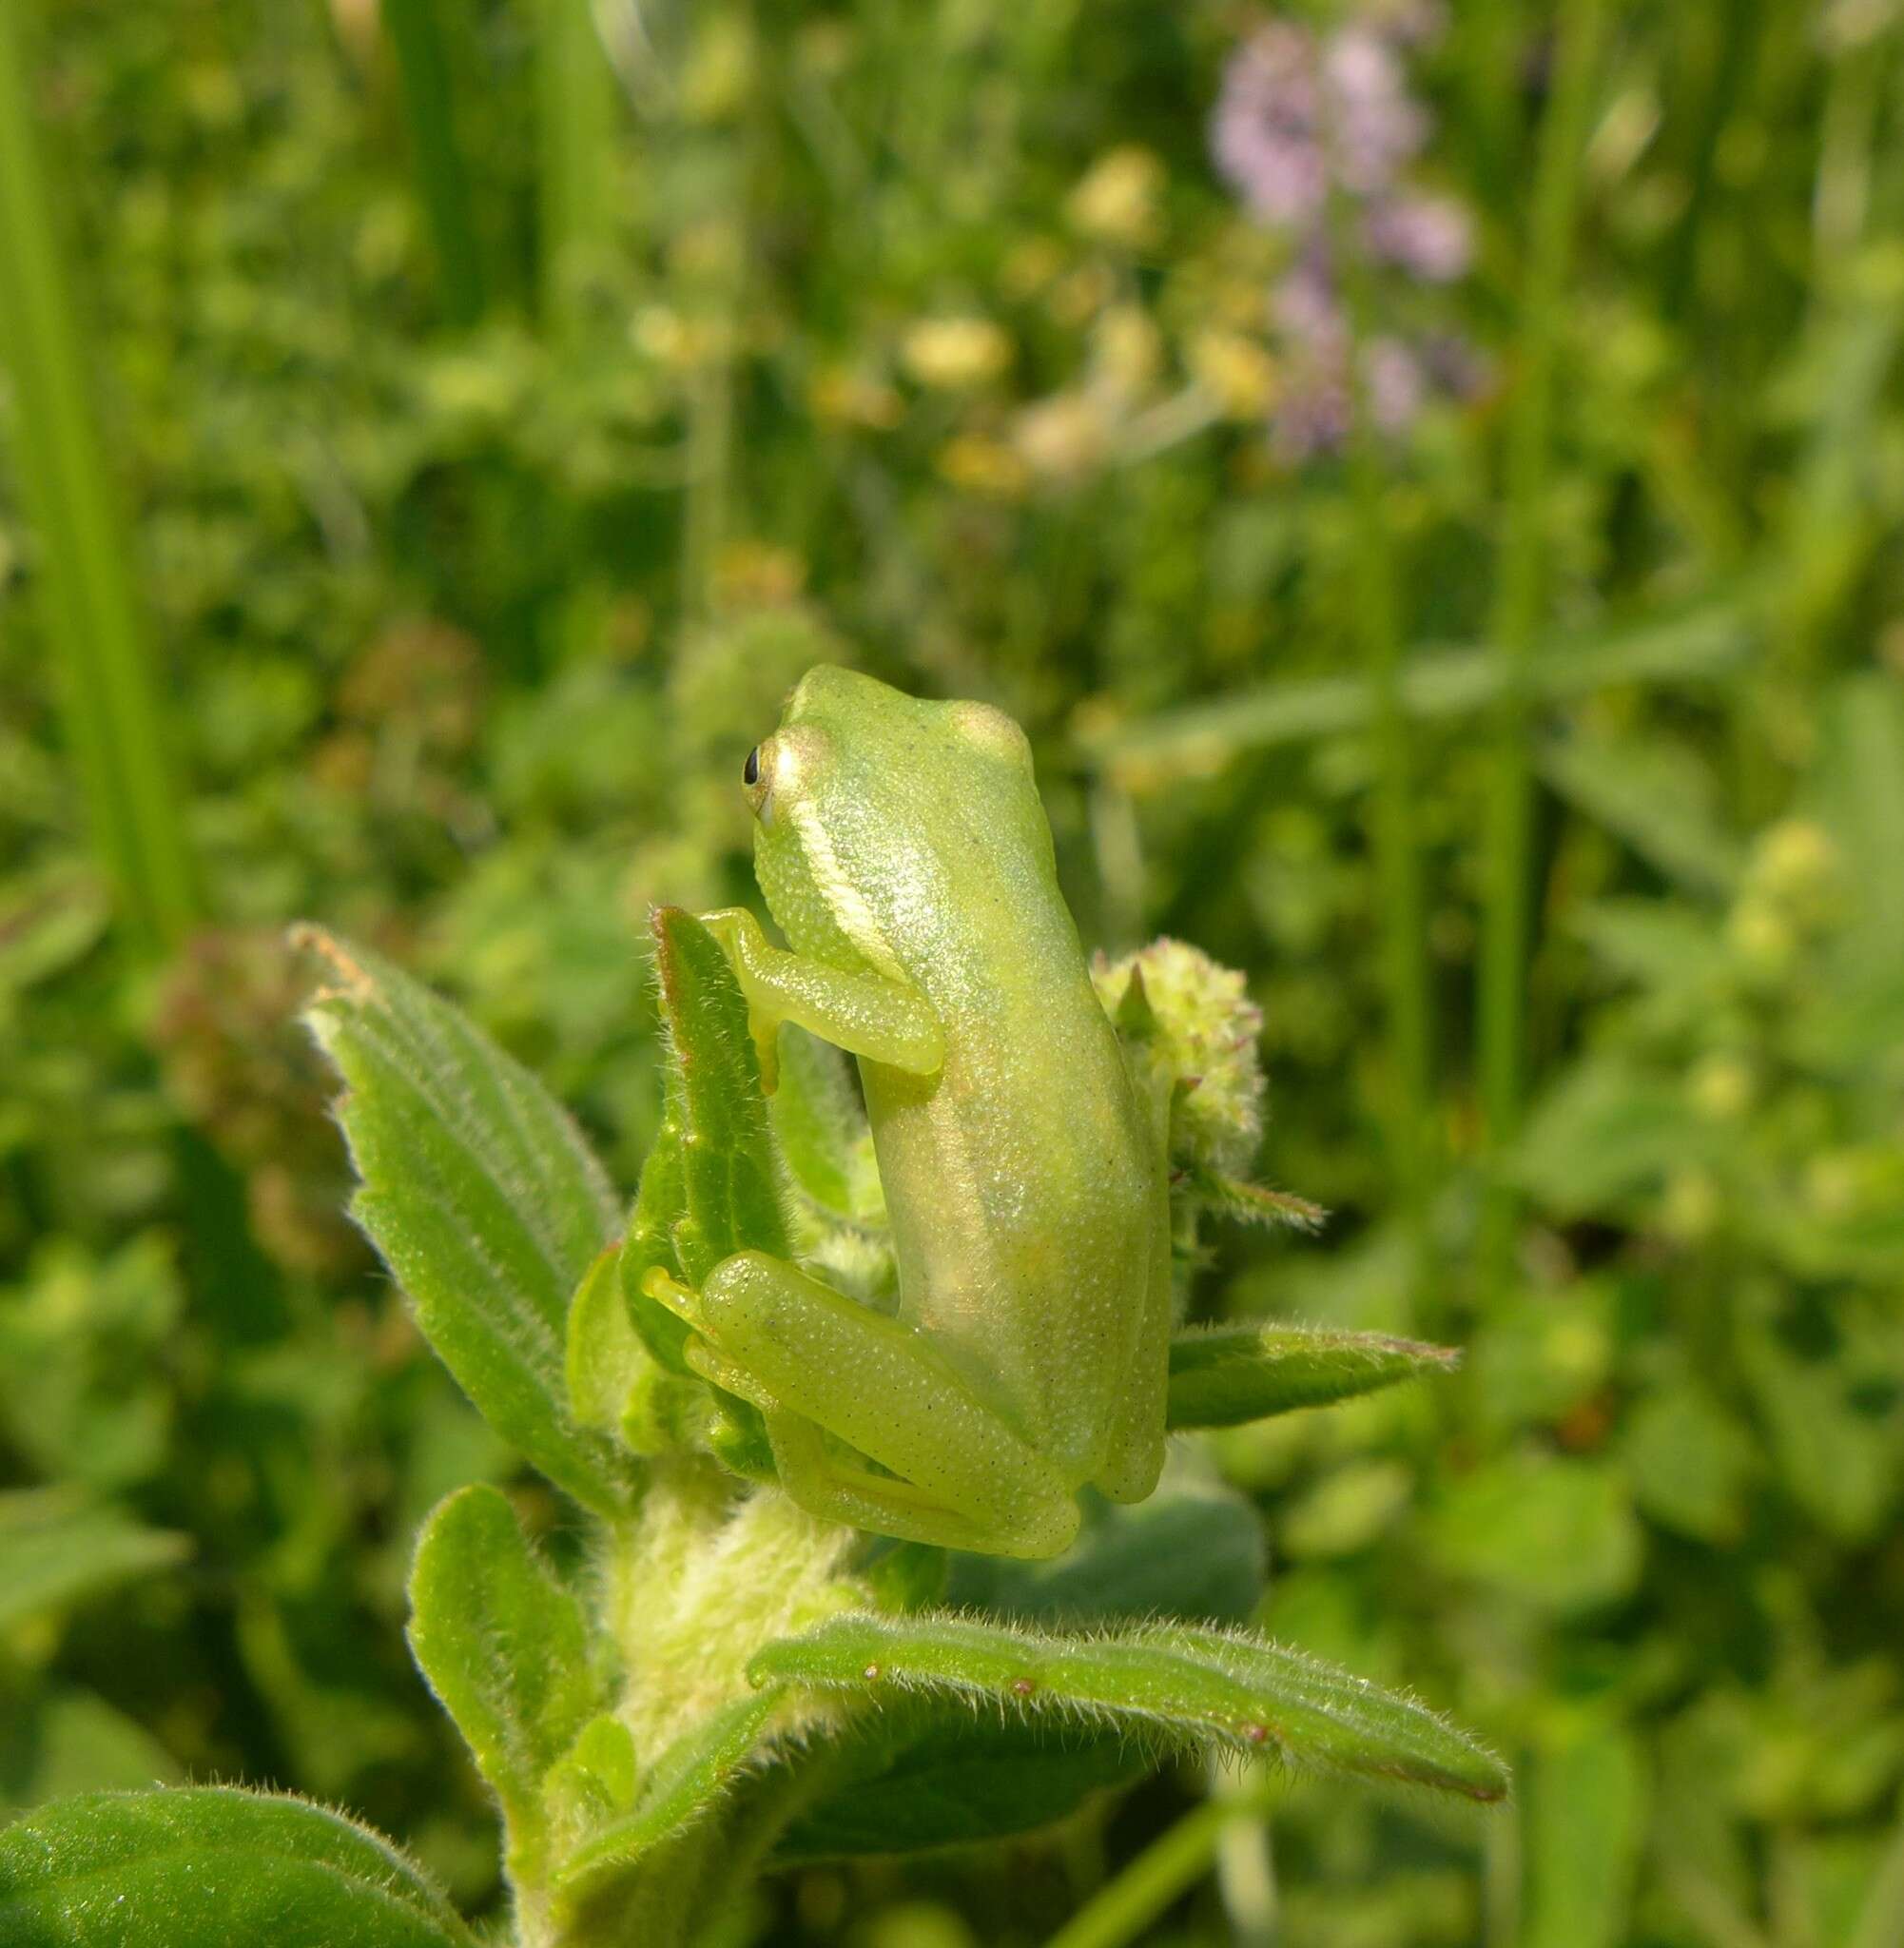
x=874, y=810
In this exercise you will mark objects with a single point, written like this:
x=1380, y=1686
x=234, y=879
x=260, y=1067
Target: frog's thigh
x=864, y=1014
x=881, y=1388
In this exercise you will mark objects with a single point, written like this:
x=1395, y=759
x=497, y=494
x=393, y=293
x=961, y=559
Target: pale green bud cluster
x=1205, y=1039
x=1790, y=893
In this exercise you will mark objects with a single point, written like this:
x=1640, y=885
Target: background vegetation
x=1450, y=571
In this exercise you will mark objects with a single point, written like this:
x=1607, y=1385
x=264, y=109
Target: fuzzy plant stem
x=1519, y=597
x=114, y=714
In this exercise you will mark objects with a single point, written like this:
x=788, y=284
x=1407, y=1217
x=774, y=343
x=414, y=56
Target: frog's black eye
x=750, y=771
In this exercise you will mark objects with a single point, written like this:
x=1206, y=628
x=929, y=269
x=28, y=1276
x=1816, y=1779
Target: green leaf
x=1656, y=795
x=61, y=1741
x=482, y=1198
x=926, y=1774
x=1689, y=1461
x=1605, y=1131
x=57, y=1548
x=1586, y=1825
x=915, y=1776
x=711, y=1183
x=730, y=1173
x=207, y=1867
x=1559, y=1533
x=597, y=1777
x=1859, y=785
x=1223, y=1376
x=607, y=1363
x=686, y=1781
x=1186, y=1553
x=508, y=1651
x=1837, y=1451
x=822, y=1128
x=1180, y=1684
x=1255, y=1204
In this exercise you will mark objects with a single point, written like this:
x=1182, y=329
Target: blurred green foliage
x=473, y=559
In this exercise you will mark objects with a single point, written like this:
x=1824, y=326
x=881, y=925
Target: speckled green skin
x=904, y=852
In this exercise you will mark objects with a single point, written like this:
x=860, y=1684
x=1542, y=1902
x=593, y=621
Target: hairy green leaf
x=207, y=1867
x=686, y=1783
x=730, y=1173
x=1255, y=1204
x=821, y=1127
x=57, y=1548
x=925, y=1772
x=1223, y=1376
x=482, y=1198
x=711, y=1183
x=507, y=1649
x=1179, y=1683
x=606, y=1360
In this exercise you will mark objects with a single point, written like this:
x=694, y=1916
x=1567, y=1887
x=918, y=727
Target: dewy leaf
x=1177, y=1682
x=207, y=1867
x=687, y=1781
x=482, y=1198
x=57, y=1548
x=1224, y=1375
x=507, y=1650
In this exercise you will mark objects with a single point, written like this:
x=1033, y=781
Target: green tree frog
x=904, y=852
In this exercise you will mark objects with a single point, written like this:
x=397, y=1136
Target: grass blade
x=114, y=716
x=1434, y=685
x=577, y=133
x=443, y=176
x=1507, y=911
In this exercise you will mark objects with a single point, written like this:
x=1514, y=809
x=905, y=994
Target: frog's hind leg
x=963, y=1477
x=827, y=1485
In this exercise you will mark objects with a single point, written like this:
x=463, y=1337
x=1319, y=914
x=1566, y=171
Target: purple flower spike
x=1299, y=116
x=1429, y=237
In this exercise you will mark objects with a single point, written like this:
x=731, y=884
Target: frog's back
x=1019, y=1179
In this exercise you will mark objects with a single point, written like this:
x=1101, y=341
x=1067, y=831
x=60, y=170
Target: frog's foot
x=813, y=1360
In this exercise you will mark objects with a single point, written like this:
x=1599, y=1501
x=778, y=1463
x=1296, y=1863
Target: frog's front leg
x=864, y=1014
x=814, y=1359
